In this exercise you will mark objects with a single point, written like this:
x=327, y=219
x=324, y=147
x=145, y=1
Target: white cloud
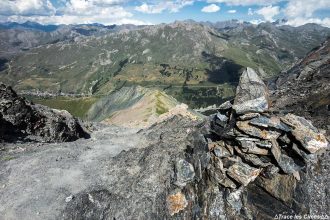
x=26, y=7
x=301, y=12
x=297, y=12
x=298, y=8
x=256, y=21
x=150, y=9
x=78, y=11
x=301, y=21
x=269, y=12
x=245, y=2
x=74, y=19
x=211, y=8
x=107, y=2
x=171, y=6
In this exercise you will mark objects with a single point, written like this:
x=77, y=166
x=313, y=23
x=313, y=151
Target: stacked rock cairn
x=248, y=140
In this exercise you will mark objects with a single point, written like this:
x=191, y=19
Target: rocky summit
x=244, y=162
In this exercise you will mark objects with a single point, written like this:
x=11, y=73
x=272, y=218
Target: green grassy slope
x=194, y=63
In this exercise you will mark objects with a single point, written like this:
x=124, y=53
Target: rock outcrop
x=21, y=119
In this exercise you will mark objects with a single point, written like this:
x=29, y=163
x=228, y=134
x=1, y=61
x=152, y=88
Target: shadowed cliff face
x=221, y=69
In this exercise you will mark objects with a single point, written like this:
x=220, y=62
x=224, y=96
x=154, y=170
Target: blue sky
x=297, y=12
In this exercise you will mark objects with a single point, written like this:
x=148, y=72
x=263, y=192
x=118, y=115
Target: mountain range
x=198, y=63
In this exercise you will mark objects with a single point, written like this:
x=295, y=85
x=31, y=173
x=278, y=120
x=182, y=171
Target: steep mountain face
x=195, y=63
x=20, y=38
x=305, y=88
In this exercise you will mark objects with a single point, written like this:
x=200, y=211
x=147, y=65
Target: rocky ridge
x=22, y=120
x=137, y=107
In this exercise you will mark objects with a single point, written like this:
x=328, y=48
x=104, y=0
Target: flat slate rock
x=262, y=133
x=250, y=147
x=243, y=173
x=272, y=122
x=225, y=106
x=303, y=130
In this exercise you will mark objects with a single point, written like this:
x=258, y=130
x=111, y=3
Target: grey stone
x=251, y=148
x=264, y=144
x=221, y=151
x=217, y=205
x=270, y=171
x=257, y=132
x=305, y=156
x=248, y=116
x=251, y=158
x=128, y=174
x=225, y=106
x=272, y=122
x=69, y=198
x=303, y=130
x=221, y=119
x=285, y=139
x=25, y=120
x=234, y=200
x=286, y=163
x=256, y=105
x=218, y=175
x=247, y=139
x=185, y=172
x=243, y=173
x=251, y=94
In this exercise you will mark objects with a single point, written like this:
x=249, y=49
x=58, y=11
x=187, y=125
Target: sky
x=144, y=12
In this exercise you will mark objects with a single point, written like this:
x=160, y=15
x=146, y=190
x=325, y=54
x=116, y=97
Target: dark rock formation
x=21, y=119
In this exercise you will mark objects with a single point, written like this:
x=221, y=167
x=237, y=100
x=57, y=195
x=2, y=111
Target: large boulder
x=21, y=119
x=251, y=94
